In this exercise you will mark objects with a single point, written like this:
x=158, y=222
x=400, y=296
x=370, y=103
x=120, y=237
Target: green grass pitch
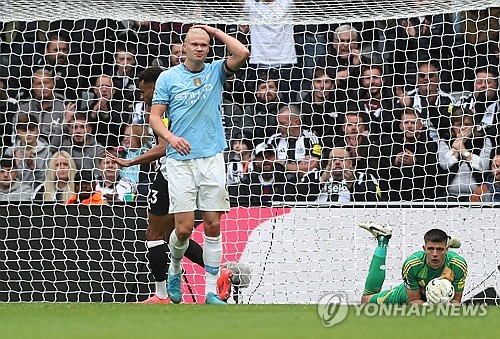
x=121, y=321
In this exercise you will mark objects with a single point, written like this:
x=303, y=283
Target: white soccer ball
x=443, y=286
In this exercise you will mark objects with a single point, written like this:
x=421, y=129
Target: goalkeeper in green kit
x=435, y=261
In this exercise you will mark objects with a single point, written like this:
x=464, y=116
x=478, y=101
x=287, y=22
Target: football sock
x=158, y=261
x=383, y=241
x=194, y=253
x=376, y=273
x=212, y=256
x=177, y=250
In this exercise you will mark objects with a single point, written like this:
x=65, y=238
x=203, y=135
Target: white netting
x=230, y=11
x=406, y=92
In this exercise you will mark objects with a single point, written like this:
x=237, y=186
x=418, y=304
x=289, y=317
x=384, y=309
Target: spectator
x=464, y=155
x=30, y=152
x=272, y=51
x=419, y=40
x=47, y=106
x=485, y=102
x=490, y=190
x=343, y=57
x=12, y=189
x=480, y=28
x=20, y=42
x=322, y=107
x=240, y=162
x=377, y=101
x=260, y=117
x=409, y=161
x=8, y=107
x=355, y=137
x=141, y=175
x=59, y=184
x=428, y=100
x=176, y=56
x=55, y=59
x=264, y=183
x=106, y=112
x=81, y=144
x=124, y=74
x=298, y=149
x=113, y=186
x=232, y=110
x=85, y=190
x=338, y=181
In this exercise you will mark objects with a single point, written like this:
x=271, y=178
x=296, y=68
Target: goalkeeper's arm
x=457, y=299
x=414, y=297
x=148, y=157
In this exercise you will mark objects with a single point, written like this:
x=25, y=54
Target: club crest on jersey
x=197, y=82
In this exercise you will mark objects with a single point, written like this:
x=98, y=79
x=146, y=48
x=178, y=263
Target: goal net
x=346, y=111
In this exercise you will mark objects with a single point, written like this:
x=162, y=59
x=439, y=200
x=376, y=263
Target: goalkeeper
x=160, y=222
x=435, y=261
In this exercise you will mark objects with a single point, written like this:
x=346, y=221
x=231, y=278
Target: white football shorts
x=197, y=184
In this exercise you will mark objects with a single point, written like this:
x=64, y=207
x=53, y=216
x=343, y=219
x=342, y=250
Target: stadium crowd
x=397, y=110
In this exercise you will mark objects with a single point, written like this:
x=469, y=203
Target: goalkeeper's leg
x=376, y=273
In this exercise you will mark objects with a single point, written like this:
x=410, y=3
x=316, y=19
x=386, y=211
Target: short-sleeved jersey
x=416, y=272
x=194, y=108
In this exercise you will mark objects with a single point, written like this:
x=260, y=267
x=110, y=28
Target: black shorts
x=158, y=198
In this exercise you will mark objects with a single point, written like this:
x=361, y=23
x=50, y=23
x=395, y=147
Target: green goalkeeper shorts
x=395, y=296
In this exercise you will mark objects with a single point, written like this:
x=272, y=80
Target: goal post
x=296, y=230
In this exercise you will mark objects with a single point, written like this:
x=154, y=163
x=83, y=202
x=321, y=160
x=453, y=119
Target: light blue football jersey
x=194, y=108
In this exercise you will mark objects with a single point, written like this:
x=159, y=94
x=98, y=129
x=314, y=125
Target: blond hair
x=196, y=30
x=51, y=181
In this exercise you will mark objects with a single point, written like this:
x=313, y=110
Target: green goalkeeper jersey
x=416, y=272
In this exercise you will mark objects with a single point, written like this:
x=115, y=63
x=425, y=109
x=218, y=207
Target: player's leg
x=376, y=272
x=157, y=255
x=178, y=243
x=213, y=202
x=182, y=191
x=159, y=222
x=212, y=253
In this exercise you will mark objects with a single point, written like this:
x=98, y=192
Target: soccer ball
x=443, y=286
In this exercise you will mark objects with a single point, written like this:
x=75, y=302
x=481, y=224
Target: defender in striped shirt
x=435, y=261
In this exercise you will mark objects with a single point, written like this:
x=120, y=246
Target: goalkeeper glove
x=433, y=297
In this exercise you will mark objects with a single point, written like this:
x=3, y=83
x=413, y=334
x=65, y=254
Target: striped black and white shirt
x=290, y=149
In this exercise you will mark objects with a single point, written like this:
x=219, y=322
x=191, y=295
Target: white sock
x=177, y=250
x=161, y=289
x=154, y=243
x=212, y=256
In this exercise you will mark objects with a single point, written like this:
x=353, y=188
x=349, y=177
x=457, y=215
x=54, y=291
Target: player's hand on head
x=180, y=145
x=210, y=30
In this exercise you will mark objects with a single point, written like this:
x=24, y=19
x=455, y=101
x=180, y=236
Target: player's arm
x=414, y=296
x=148, y=157
x=410, y=280
x=459, y=267
x=457, y=299
x=155, y=120
x=239, y=53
